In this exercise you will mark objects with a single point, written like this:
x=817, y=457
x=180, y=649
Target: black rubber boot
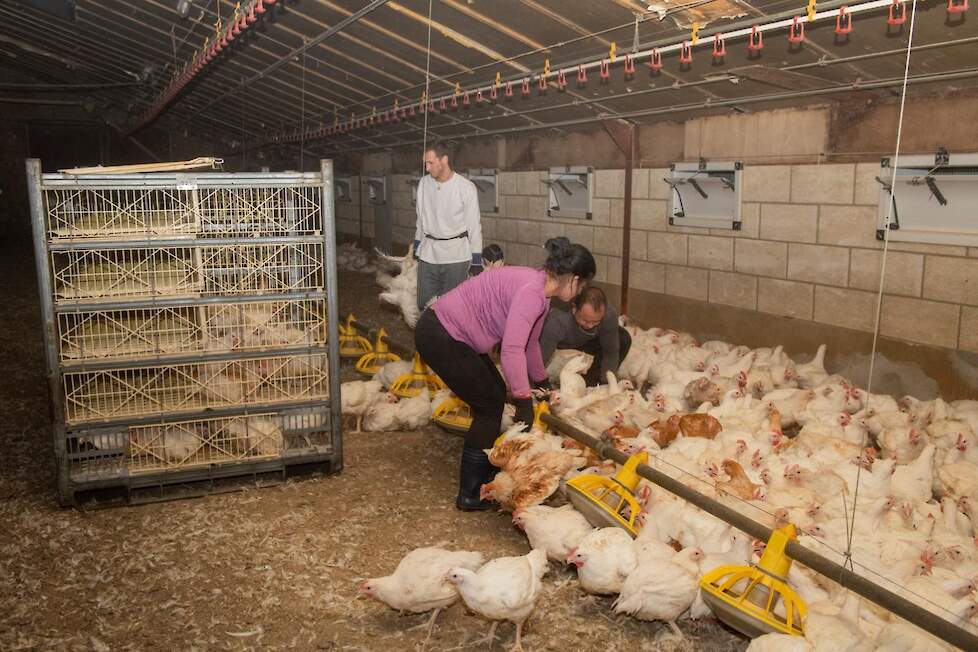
x=474, y=471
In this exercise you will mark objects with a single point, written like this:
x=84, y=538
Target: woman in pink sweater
x=505, y=306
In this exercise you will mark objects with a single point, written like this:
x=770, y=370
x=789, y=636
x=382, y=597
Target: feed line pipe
x=929, y=622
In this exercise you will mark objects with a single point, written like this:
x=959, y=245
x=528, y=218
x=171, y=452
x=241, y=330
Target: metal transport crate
x=190, y=324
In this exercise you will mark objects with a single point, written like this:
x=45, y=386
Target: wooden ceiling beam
x=394, y=36
x=494, y=24
x=456, y=36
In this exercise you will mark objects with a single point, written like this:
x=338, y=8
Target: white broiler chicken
x=179, y=443
x=406, y=301
x=958, y=478
x=914, y=481
x=402, y=290
x=812, y=373
x=382, y=415
x=572, y=383
x=560, y=358
x=830, y=629
x=555, y=530
x=392, y=371
x=506, y=588
x=262, y=435
x=604, y=559
x=662, y=590
x=414, y=412
x=903, y=443
x=418, y=583
x=356, y=397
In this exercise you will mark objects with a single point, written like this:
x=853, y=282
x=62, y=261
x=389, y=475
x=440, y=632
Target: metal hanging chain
x=850, y=526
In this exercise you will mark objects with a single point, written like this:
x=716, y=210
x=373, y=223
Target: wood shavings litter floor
x=263, y=569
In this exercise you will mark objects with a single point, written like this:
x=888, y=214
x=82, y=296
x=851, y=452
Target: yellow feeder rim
x=453, y=414
x=352, y=344
x=412, y=383
x=371, y=363
x=745, y=597
x=610, y=502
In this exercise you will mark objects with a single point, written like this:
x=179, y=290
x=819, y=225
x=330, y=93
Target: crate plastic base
x=197, y=483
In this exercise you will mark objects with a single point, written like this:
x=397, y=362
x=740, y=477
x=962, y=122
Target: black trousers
x=471, y=375
x=593, y=346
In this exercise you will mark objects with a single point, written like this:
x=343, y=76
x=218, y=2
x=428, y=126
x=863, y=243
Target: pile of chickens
x=351, y=258
x=786, y=442
x=777, y=440
x=376, y=409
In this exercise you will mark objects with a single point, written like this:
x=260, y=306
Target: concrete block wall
x=807, y=250
x=403, y=216
x=348, y=213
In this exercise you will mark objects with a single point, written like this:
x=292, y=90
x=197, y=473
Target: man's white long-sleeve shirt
x=445, y=210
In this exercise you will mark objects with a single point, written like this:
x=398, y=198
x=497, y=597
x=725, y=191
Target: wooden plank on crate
x=174, y=166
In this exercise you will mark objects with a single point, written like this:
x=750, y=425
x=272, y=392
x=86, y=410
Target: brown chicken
x=690, y=425
x=532, y=481
x=620, y=432
x=590, y=457
x=663, y=432
x=702, y=390
x=739, y=483
x=510, y=449
x=699, y=425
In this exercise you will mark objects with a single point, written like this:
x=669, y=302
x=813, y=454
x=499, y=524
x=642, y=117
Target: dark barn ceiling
x=267, y=85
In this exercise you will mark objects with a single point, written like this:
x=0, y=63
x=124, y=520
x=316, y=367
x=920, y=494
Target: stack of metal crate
x=190, y=328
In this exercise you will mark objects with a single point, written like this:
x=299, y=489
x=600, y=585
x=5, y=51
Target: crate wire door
x=190, y=325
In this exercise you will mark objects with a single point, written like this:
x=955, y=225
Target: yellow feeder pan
x=453, y=414
x=370, y=363
x=412, y=383
x=541, y=408
x=745, y=597
x=352, y=344
x=610, y=502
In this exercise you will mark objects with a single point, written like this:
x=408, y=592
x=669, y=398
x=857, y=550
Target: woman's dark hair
x=565, y=257
x=492, y=253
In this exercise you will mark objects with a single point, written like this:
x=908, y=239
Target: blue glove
x=417, y=243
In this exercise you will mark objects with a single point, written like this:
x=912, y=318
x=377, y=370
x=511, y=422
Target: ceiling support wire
x=851, y=523
x=302, y=112
x=427, y=86
x=244, y=136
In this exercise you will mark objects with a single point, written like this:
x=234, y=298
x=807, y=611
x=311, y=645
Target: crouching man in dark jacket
x=590, y=326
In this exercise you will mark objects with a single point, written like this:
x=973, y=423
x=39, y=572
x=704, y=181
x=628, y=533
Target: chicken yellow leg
x=429, y=628
x=518, y=645
x=490, y=637
x=675, y=630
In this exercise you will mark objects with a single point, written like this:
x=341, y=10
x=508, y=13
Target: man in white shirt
x=448, y=237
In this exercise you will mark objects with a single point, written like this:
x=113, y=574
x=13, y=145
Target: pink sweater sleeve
x=535, y=367
x=520, y=349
